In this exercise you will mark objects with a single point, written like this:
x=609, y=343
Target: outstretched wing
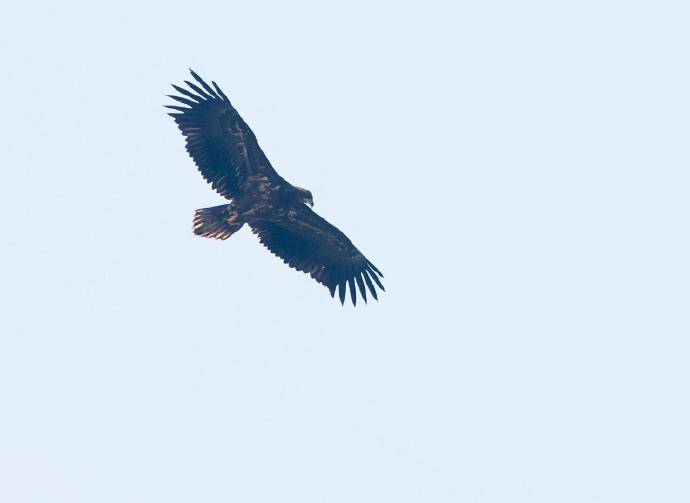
x=308, y=243
x=221, y=144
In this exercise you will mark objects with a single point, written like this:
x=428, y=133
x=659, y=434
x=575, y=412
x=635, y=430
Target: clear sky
x=518, y=171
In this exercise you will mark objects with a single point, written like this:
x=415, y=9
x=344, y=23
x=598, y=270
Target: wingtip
x=341, y=293
x=196, y=76
x=353, y=292
x=220, y=91
x=367, y=279
x=376, y=270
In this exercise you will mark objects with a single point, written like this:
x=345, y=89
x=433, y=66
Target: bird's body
x=228, y=156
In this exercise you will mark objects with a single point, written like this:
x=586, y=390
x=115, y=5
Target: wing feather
x=372, y=289
x=187, y=93
x=204, y=84
x=360, y=285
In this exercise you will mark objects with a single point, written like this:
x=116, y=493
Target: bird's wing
x=221, y=144
x=308, y=243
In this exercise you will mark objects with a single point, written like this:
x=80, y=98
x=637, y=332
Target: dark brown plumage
x=228, y=156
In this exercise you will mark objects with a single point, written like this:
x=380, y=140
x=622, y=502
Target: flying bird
x=228, y=156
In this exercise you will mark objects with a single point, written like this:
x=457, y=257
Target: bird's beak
x=310, y=202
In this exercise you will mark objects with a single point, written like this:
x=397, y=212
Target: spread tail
x=219, y=222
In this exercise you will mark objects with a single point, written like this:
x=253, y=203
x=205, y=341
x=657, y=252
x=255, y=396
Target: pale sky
x=517, y=170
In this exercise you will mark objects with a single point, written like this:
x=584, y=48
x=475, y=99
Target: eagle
x=228, y=156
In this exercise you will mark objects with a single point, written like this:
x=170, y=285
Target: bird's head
x=305, y=196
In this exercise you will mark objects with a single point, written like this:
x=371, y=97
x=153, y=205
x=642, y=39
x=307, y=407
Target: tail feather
x=219, y=222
